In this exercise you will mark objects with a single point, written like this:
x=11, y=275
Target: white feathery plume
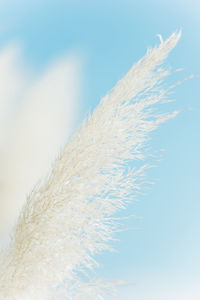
x=67, y=218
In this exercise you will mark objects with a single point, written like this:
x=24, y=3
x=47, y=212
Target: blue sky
x=162, y=255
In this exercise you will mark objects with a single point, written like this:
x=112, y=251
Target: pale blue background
x=110, y=36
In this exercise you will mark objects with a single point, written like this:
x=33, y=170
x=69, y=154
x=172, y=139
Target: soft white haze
x=162, y=287
x=37, y=114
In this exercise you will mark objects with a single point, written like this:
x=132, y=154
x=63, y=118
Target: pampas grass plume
x=67, y=218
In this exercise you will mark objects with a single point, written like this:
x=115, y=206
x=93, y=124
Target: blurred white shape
x=36, y=117
x=13, y=82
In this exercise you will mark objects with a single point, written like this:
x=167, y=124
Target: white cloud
x=12, y=83
x=36, y=117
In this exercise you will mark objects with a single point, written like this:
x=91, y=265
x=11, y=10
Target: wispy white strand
x=67, y=219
